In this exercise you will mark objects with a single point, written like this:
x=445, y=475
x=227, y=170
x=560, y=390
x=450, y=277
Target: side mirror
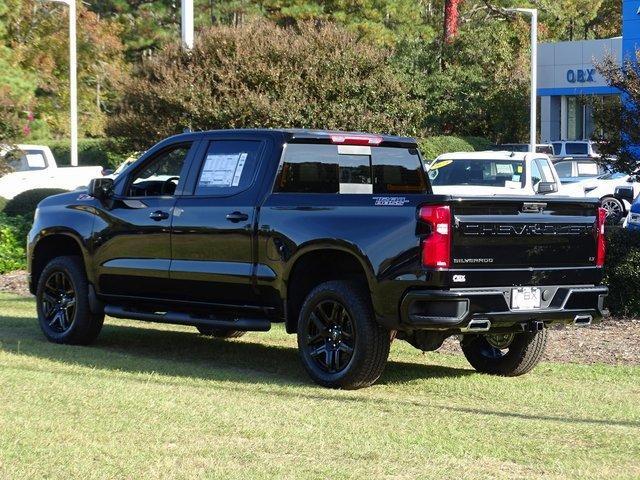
x=547, y=187
x=100, y=188
x=624, y=193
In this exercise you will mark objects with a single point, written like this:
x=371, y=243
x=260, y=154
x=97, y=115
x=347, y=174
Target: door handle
x=236, y=217
x=158, y=215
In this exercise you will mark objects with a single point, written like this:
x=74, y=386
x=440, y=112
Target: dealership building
x=566, y=74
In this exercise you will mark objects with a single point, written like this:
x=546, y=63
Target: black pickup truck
x=337, y=235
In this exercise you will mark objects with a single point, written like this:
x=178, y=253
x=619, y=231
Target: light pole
x=73, y=79
x=186, y=18
x=534, y=72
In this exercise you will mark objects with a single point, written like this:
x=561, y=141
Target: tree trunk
x=451, y=17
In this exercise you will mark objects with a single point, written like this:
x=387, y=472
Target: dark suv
x=337, y=235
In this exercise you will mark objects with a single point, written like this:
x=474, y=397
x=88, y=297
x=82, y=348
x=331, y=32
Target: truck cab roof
x=303, y=135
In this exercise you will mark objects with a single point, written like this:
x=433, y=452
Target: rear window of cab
x=350, y=169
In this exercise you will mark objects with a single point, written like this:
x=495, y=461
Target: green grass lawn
x=150, y=401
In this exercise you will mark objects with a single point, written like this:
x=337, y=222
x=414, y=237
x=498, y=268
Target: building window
x=575, y=119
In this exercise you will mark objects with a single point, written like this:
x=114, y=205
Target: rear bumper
x=455, y=309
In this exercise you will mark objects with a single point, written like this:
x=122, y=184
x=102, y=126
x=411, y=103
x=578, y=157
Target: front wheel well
x=314, y=268
x=50, y=247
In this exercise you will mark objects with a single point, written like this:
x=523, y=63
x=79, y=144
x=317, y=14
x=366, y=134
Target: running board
x=180, y=318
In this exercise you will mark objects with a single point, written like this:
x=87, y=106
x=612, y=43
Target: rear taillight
x=436, y=247
x=600, y=238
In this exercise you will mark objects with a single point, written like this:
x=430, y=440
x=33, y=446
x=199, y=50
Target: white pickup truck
x=33, y=166
x=494, y=173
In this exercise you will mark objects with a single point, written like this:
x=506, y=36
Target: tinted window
x=557, y=148
x=309, y=169
x=563, y=169
x=332, y=169
x=485, y=173
x=397, y=170
x=576, y=148
x=228, y=167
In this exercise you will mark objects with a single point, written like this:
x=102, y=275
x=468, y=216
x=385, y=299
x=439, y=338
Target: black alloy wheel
x=330, y=336
x=58, y=301
x=62, y=299
x=341, y=344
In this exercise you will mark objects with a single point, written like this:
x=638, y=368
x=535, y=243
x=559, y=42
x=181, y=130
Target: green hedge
x=622, y=272
x=25, y=203
x=431, y=147
x=106, y=152
x=13, y=233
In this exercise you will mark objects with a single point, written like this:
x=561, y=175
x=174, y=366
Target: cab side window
x=161, y=175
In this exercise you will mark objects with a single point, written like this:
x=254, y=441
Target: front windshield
x=481, y=173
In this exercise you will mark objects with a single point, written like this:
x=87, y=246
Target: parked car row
x=511, y=172
x=558, y=150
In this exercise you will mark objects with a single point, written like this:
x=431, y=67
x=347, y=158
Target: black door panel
x=132, y=233
x=212, y=239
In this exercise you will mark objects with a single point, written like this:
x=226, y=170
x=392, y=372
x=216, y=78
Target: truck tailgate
x=531, y=232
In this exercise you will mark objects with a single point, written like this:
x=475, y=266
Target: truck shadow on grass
x=181, y=353
x=243, y=366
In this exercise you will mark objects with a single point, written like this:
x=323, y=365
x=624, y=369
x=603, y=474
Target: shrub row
x=431, y=147
x=13, y=231
x=622, y=272
x=24, y=204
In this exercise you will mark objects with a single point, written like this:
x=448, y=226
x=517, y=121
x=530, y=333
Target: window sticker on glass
x=440, y=164
x=504, y=168
x=587, y=168
x=223, y=170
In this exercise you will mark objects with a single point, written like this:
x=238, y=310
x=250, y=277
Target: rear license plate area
x=525, y=298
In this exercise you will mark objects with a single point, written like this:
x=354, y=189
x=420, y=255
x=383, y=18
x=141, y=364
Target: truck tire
x=62, y=300
x=508, y=355
x=219, y=332
x=339, y=342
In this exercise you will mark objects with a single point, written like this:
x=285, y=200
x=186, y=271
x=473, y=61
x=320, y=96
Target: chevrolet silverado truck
x=337, y=235
x=33, y=166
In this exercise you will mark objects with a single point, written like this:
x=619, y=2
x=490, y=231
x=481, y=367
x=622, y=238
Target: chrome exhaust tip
x=477, y=325
x=582, y=320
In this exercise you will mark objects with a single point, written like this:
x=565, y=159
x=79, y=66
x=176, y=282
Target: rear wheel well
x=314, y=268
x=49, y=248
